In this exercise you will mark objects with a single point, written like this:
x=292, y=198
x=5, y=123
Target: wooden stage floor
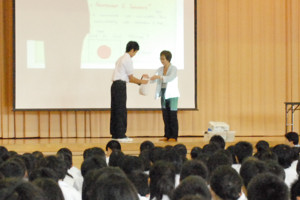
x=78, y=145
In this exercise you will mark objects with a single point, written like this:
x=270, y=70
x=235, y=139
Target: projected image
x=65, y=50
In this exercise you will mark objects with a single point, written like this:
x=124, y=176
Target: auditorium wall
x=247, y=67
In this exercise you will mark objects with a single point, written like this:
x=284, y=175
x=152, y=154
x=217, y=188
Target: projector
x=219, y=128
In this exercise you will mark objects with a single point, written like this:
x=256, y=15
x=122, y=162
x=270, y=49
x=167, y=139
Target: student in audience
x=93, y=152
x=162, y=180
x=50, y=188
x=225, y=183
x=285, y=159
x=266, y=186
x=146, y=145
x=217, y=159
x=276, y=169
x=219, y=140
x=242, y=150
x=192, y=185
x=249, y=169
x=91, y=163
x=116, y=158
x=131, y=164
x=182, y=151
x=145, y=158
x=110, y=147
x=267, y=155
x=195, y=152
x=140, y=181
x=29, y=161
x=3, y=153
x=156, y=154
x=12, y=168
x=58, y=166
x=292, y=139
x=261, y=147
x=295, y=190
x=43, y=172
x=210, y=148
x=194, y=167
x=230, y=150
x=18, y=189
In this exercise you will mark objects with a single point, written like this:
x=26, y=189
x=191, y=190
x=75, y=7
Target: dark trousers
x=118, y=112
x=169, y=116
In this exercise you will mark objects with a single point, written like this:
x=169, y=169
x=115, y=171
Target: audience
x=156, y=173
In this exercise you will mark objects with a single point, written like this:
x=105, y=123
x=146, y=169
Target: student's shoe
x=164, y=139
x=172, y=140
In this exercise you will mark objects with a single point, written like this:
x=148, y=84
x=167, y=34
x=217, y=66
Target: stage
x=50, y=146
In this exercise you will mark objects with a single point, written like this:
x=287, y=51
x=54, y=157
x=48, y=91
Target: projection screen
x=65, y=50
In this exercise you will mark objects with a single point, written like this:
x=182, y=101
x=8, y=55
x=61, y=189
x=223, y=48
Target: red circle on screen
x=104, y=52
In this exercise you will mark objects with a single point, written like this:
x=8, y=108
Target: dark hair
x=243, y=150
x=131, y=163
x=29, y=161
x=267, y=155
x=116, y=158
x=192, y=185
x=132, y=45
x=217, y=159
x=250, y=168
x=218, y=140
x=66, y=155
x=292, y=137
x=266, y=186
x=57, y=165
x=210, y=148
x=226, y=183
x=162, y=179
x=195, y=152
x=43, y=172
x=194, y=167
x=92, y=163
x=145, y=158
x=285, y=155
x=146, y=145
x=113, y=145
x=50, y=188
x=140, y=181
x=93, y=152
x=262, y=145
x=3, y=153
x=167, y=54
x=156, y=154
x=114, y=187
x=181, y=150
x=11, y=168
x=295, y=190
x=171, y=155
x=276, y=169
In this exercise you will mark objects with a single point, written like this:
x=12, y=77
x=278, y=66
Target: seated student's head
x=230, y=150
x=50, y=188
x=92, y=163
x=285, y=155
x=3, y=153
x=219, y=140
x=66, y=155
x=192, y=185
x=29, y=161
x=243, y=150
x=57, y=165
x=12, y=168
x=162, y=179
x=267, y=186
x=171, y=155
x=18, y=189
x=250, y=168
x=217, y=159
x=111, y=146
x=114, y=187
x=94, y=151
x=262, y=145
x=226, y=183
x=43, y=172
x=145, y=158
x=274, y=168
x=140, y=181
x=116, y=158
x=181, y=150
x=91, y=177
x=39, y=157
x=295, y=190
x=210, y=148
x=131, y=163
x=267, y=155
x=292, y=138
x=195, y=152
x=156, y=154
x=194, y=167
x=146, y=145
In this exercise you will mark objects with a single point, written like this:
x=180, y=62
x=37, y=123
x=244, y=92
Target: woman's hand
x=155, y=77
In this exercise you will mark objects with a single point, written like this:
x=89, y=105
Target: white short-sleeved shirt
x=123, y=68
